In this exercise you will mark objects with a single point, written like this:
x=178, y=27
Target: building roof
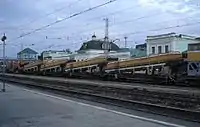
x=97, y=45
x=137, y=53
x=170, y=35
x=55, y=51
x=141, y=46
x=27, y=50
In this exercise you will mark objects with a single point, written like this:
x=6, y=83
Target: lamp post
x=3, y=39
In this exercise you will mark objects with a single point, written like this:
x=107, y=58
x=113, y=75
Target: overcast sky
x=135, y=19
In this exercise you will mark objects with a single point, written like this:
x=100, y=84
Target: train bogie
x=167, y=66
x=193, y=58
x=194, y=69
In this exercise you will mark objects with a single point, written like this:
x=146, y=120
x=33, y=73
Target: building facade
x=55, y=55
x=170, y=42
x=95, y=48
x=27, y=55
x=139, y=51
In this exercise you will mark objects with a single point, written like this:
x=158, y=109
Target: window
x=193, y=47
x=166, y=48
x=153, y=50
x=159, y=49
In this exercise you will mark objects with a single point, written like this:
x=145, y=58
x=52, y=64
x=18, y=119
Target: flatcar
x=172, y=67
x=193, y=59
x=33, y=67
x=161, y=65
x=91, y=67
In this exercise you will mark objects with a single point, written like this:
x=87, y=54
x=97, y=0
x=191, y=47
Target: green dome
x=97, y=45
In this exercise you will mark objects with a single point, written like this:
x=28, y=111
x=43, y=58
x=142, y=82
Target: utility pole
x=125, y=42
x=3, y=39
x=22, y=47
x=106, y=30
x=106, y=39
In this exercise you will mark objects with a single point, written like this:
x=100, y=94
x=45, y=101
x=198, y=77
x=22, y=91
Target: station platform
x=21, y=107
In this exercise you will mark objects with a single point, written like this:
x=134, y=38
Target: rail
x=140, y=99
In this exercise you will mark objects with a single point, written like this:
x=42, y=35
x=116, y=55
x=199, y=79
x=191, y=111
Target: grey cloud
x=82, y=27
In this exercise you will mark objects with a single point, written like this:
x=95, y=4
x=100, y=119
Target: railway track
x=138, y=78
x=93, y=83
x=141, y=99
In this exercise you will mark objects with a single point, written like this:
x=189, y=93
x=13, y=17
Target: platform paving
x=23, y=108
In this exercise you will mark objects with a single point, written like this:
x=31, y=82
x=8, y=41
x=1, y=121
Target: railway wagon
x=32, y=67
x=54, y=67
x=193, y=58
x=85, y=63
x=90, y=67
x=147, y=64
x=46, y=67
x=170, y=66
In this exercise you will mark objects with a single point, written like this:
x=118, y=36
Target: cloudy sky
x=132, y=18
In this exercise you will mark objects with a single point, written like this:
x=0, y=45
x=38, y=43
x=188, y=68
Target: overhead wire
x=159, y=29
x=153, y=30
x=97, y=17
x=82, y=25
x=68, y=17
x=123, y=22
x=140, y=32
x=51, y=13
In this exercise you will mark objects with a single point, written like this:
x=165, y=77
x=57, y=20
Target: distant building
x=170, y=42
x=27, y=55
x=95, y=48
x=141, y=46
x=56, y=54
x=139, y=51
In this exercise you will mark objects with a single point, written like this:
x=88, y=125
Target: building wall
x=175, y=43
x=137, y=53
x=85, y=56
x=160, y=42
x=56, y=55
x=89, y=54
x=26, y=56
x=121, y=55
x=181, y=45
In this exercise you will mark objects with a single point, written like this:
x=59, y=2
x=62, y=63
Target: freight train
x=169, y=68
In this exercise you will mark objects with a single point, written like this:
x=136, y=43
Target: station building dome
x=95, y=44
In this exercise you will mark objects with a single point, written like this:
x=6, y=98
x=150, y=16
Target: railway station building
x=56, y=54
x=27, y=54
x=170, y=42
x=94, y=48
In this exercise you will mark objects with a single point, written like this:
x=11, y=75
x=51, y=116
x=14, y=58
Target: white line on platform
x=108, y=110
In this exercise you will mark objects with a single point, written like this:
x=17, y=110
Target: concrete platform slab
x=24, y=108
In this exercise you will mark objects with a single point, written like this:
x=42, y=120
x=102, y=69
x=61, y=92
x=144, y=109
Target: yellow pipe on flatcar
x=193, y=56
x=86, y=63
x=163, y=58
x=53, y=63
x=33, y=64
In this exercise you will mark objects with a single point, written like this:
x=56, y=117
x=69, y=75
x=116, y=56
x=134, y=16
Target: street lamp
x=3, y=39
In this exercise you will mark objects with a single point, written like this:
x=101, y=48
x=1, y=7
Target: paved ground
x=24, y=108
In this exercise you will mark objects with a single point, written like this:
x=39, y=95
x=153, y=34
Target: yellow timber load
x=193, y=52
x=85, y=63
x=33, y=66
x=53, y=63
x=156, y=59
